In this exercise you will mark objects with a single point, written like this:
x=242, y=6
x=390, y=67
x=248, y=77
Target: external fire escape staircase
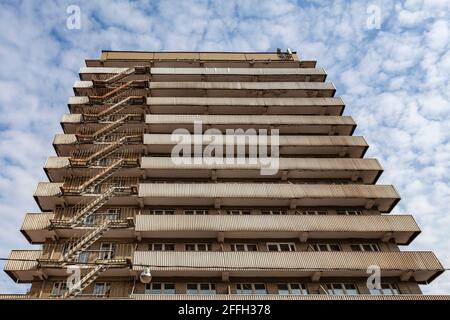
x=82, y=211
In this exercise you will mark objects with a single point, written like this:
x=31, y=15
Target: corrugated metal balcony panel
x=64, y=139
x=382, y=197
x=167, y=139
x=337, y=223
x=256, y=297
x=213, y=71
x=101, y=70
x=243, y=85
x=56, y=162
x=249, y=119
x=78, y=100
x=37, y=221
x=83, y=84
x=240, y=71
x=403, y=227
x=71, y=118
x=261, y=190
x=284, y=164
x=425, y=265
x=193, y=101
x=46, y=189
x=19, y=268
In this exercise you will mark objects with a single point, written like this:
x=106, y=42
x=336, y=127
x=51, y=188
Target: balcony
x=331, y=146
x=401, y=228
x=212, y=74
x=382, y=197
x=365, y=171
x=421, y=266
x=19, y=268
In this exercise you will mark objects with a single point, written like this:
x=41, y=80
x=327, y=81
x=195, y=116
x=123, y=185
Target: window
x=83, y=257
x=102, y=289
x=244, y=247
x=113, y=214
x=200, y=288
x=273, y=212
x=160, y=288
x=238, y=212
x=251, y=288
x=158, y=212
x=292, y=288
x=349, y=212
x=365, y=247
x=325, y=247
x=107, y=250
x=312, y=212
x=89, y=220
x=288, y=246
x=388, y=289
x=341, y=289
x=59, y=288
x=196, y=212
x=161, y=247
x=198, y=247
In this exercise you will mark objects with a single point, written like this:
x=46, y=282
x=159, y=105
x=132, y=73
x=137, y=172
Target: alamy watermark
x=257, y=148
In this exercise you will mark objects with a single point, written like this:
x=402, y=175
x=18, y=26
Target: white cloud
x=394, y=81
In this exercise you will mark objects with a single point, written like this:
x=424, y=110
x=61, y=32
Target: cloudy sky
x=392, y=71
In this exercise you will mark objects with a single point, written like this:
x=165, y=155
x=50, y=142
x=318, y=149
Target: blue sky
x=394, y=80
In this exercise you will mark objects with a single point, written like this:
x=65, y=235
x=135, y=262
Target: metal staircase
x=120, y=76
x=85, y=281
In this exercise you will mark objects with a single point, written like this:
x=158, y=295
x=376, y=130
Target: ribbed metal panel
x=48, y=189
x=243, y=85
x=286, y=297
x=78, y=100
x=14, y=263
x=83, y=84
x=71, y=118
x=166, y=139
x=240, y=71
x=101, y=70
x=64, y=139
x=284, y=164
x=249, y=119
x=200, y=101
x=56, y=162
x=37, y=221
x=313, y=261
x=260, y=190
x=257, y=223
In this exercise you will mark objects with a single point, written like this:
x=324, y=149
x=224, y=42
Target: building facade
x=117, y=203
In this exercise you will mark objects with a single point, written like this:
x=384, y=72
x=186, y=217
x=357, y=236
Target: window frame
x=252, y=286
x=279, y=244
x=211, y=286
x=245, y=247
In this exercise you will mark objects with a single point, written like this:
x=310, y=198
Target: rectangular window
x=280, y=246
x=161, y=247
x=58, y=289
x=273, y=212
x=238, y=212
x=158, y=212
x=324, y=247
x=198, y=247
x=349, y=212
x=196, y=212
x=388, y=289
x=113, y=214
x=244, y=247
x=90, y=220
x=312, y=212
x=107, y=250
x=102, y=289
x=371, y=247
x=83, y=257
x=341, y=289
x=292, y=288
x=160, y=288
x=200, y=288
x=251, y=288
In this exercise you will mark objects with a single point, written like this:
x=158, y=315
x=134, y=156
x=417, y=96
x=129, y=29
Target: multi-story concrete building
x=116, y=203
